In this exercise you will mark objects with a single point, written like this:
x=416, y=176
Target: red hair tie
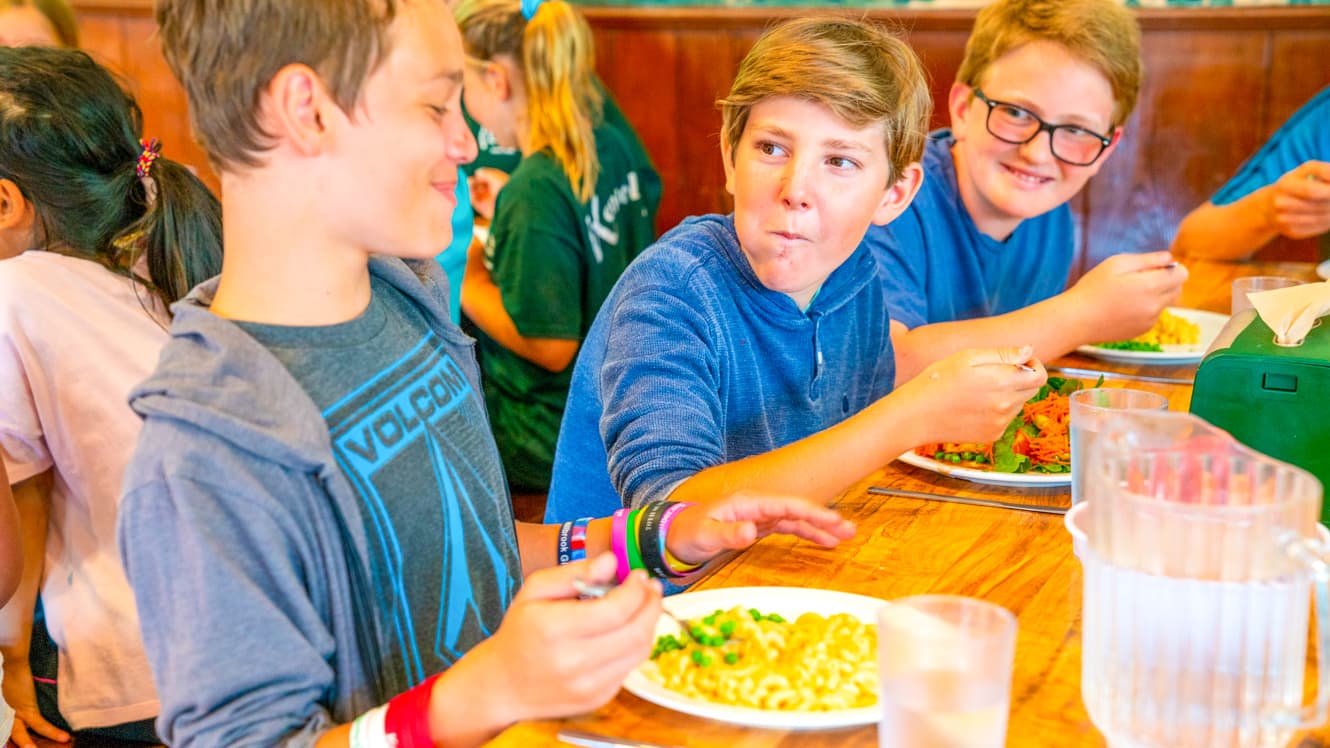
x=151, y=151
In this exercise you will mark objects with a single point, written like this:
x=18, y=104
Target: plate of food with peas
x=776, y=657
x=1034, y=451
x=1179, y=336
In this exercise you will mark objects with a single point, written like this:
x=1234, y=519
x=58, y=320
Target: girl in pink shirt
x=101, y=235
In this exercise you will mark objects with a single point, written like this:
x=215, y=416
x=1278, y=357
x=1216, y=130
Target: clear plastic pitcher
x=1200, y=557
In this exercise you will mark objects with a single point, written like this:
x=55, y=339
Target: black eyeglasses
x=1017, y=125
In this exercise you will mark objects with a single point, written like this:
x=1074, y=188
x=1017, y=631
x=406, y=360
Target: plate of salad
x=1179, y=336
x=1034, y=451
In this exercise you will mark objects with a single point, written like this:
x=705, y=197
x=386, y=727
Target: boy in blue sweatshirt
x=751, y=351
x=983, y=255
x=315, y=517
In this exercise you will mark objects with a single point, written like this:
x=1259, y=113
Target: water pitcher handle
x=1315, y=555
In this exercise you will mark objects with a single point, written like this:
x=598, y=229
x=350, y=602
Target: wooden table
x=1021, y=560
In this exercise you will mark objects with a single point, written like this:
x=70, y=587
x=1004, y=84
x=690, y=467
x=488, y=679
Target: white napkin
x=1292, y=311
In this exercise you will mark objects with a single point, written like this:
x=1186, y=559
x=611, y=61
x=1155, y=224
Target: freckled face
x=1003, y=184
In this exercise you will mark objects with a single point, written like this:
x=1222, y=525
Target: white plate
x=1211, y=323
x=1023, y=480
x=789, y=602
x=1323, y=270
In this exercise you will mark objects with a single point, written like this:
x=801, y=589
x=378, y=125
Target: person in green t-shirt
x=580, y=205
x=495, y=162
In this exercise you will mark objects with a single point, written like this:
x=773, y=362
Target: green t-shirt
x=555, y=260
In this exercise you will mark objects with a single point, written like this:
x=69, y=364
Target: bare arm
x=29, y=506
x=1119, y=299
x=11, y=546
x=1296, y=206
x=31, y=499
x=483, y=304
x=970, y=396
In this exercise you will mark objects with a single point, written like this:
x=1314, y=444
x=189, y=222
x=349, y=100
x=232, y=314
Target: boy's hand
x=1300, y=201
x=1122, y=296
x=555, y=655
x=701, y=531
x=485, y=185
x=971, y=395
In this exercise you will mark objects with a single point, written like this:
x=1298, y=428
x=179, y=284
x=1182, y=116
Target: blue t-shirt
x=693, y=363
x=1304, y=137
x=938, y=267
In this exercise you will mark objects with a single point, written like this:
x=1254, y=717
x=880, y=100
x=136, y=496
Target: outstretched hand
x=701, y=531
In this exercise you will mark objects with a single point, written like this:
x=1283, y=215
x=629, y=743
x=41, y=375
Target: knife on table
x=994, y=503
x=595, y=740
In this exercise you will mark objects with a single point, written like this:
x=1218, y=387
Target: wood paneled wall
x=1218, y=82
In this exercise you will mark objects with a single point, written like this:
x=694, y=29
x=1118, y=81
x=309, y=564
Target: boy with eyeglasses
x=981, y=257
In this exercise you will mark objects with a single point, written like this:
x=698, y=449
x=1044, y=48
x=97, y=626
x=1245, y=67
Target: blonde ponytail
x=558, y=60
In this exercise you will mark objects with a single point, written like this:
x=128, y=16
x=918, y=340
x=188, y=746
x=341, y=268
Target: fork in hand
x=691, y=630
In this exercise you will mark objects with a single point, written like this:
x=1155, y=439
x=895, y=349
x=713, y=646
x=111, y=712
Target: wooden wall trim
x=664, y=17
x=951, y=19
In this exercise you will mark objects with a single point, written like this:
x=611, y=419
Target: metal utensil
x=591, y=589
x=596, y=740
x=1043, y=509
x=1077, y=372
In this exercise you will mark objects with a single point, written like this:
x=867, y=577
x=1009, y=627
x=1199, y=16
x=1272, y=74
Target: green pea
x=698, y=633
x=727, y=628
x=775, y=618
x=755, y=614
x=697, y=656
x=731, y=658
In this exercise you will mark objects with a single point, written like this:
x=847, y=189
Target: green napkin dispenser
x=1275, y=399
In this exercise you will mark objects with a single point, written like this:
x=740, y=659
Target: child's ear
x=959, y=104
x=499, y=79
x=15, y=210
x=18, y=220
x=727, y=159
x=1108, y=151
x=295, y=107
x=899, y=195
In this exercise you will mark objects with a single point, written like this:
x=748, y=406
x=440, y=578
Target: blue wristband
x=565, y=549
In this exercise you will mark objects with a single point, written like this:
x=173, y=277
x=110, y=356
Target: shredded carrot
x=1051, y=416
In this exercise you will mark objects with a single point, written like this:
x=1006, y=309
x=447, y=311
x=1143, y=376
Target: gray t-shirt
x=411, y=435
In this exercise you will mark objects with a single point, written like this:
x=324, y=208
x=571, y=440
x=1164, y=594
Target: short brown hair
x=226, y=53
x=858, y=69
x=1102, y=33
x=58, y=14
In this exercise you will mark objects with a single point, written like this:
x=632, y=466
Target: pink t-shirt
x=74, y=339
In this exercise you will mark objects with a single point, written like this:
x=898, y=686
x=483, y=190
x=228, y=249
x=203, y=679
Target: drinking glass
x=945, y=663
x=1090, y=409
x=1254, y=283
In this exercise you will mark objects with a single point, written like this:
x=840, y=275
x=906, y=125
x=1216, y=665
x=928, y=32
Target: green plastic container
x=1272, y=398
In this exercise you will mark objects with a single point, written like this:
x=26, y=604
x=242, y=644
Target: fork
x=590, y=589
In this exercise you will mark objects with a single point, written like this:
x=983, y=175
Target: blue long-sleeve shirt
x=693, y=363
